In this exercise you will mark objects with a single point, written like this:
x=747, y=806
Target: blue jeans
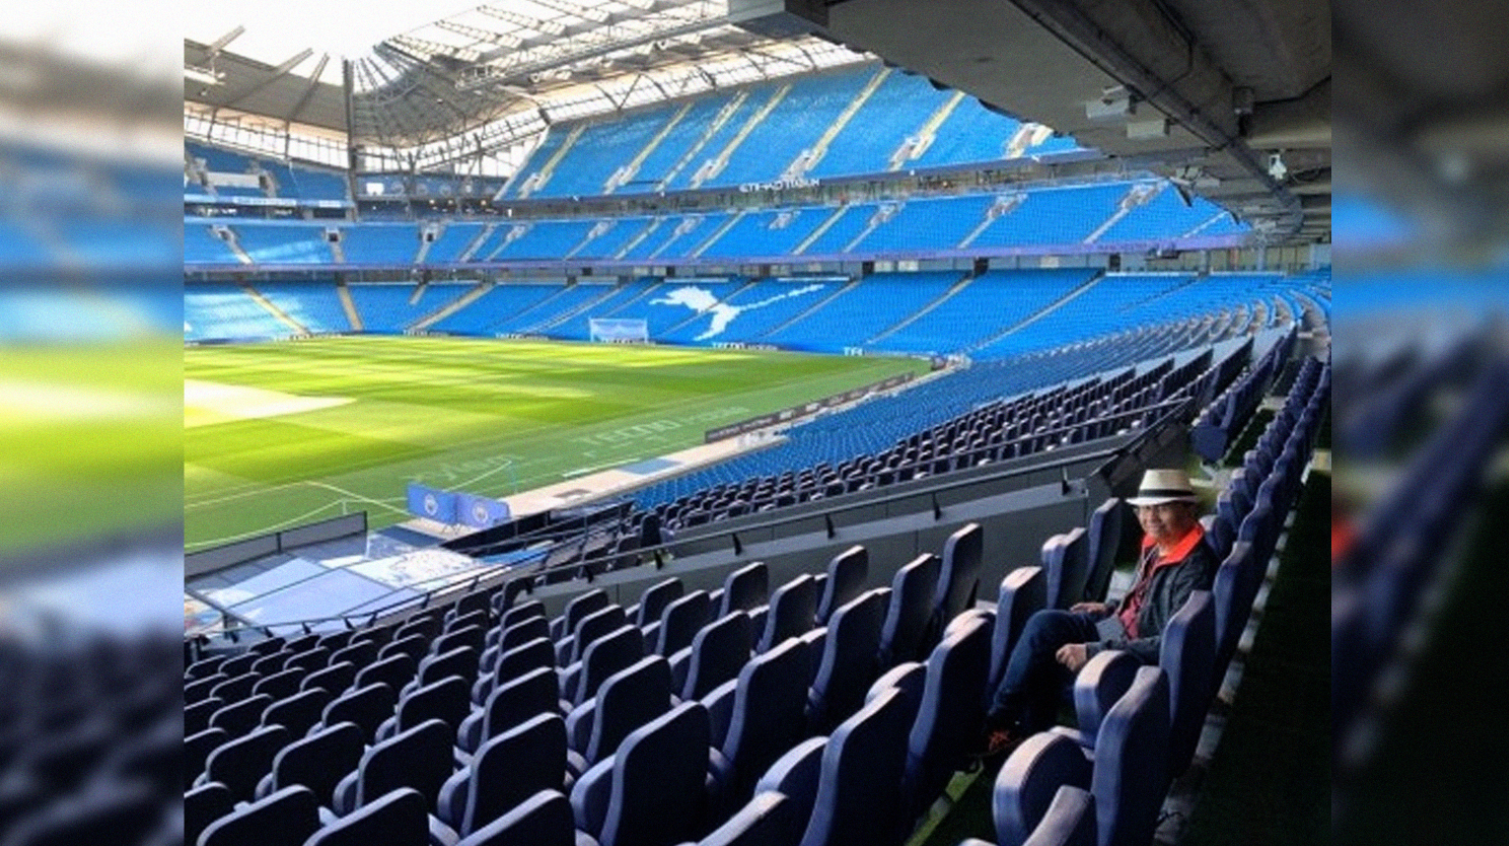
x=1033, y=685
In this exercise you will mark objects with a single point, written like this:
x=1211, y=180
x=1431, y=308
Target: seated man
x=1056, y=643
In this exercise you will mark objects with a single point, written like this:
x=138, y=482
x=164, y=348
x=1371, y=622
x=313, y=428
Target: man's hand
x=1072, y=655
x=1094, y=609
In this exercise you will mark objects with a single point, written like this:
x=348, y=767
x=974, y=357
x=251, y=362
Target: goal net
x=619, y=330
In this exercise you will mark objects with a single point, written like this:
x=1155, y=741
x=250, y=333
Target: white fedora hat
x=1160, y=486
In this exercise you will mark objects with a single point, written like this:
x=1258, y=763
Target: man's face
x=1166, y=522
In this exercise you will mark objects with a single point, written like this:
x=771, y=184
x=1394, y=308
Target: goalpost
x=619, y=330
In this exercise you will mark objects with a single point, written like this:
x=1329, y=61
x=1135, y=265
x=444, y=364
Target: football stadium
x=764, y=388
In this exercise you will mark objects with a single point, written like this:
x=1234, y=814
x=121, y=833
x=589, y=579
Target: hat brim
x=1159, y=500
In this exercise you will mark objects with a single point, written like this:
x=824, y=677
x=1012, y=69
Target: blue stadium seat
x=398, y=816
x=1030, y=779
x=911, y=608
x=239, y=764
x=512, y=703
x=590, y=602
x=655, y=598
x=589, y=628
x=446, y=700
x=336, y=678
x=627, y=700
x=959, y=580
x=367, y=707
x=1187, y=655
x=745, y=589
x=766, y=716
x=543, y=819
x=768, y=819
x=793, y=606
x=299, y=712
x=848, y=665
x=317, y=762
x=859, y=791
x=506, y=771
x=716, y=655
x=653, y=791
x=847, y=573
x=796, y=775
x=418, y=758
x=1023, y=592
x=1069, y=820
x=611, y=653
x=951, y=712
x=285, y=818
x=1066, y=561
x=525, y=658
x=203, y=805
x=241, y=716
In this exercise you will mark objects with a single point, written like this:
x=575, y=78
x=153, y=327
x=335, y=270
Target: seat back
x=521, y=612
x=522, y=632
x=447, y=700
x=202, y=806
x=1106, y=524
x=543, y=819
x=847, y=573
x=1187, y=655
x=241, y=716
x=793, y=607
x=911, y=606
x=298, y=712
x=952, y=709
x=415, y=645
x=239, y=764
x=399, y=816
x=461, y=661
x=719, y=651
x=681, y=621
x=335, y=678
x=769, y=819
x=393, y=670
x=768, y=714
x=1235, y=588
x=1023, y=593
x=1030, y=779
x=286, y=818
x=280, y=684
x=588, y=603
x=848, y=662
x=534, y=693
x=610, y=653
x=860, y=784
x=627, y=700
x=419, y=757
x=1131, y=762
x=745, y=589
x=366, y=707
x=959, y=580
x=474, y=635
x=320, y=760
x=525, y=658
x=592, y=627
x=655, y=598
x=659, y=794
x=1069, y=820
x=1067, y=565
x=1102, y=681
x=514, y=766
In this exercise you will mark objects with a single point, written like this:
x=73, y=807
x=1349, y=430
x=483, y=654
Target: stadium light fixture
x=203, y=76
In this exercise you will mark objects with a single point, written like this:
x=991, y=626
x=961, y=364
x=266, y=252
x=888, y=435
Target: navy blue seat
x=446, y=700
x=317, y=762
x=1236, y=585
x=609, y=654
x=959, y=580
x=235, y=689
x=203, y=805
x=952, y=710
x=847, y=573
x=768, y=819
x=543, y=819
x=745, y=589
x=240, y=664
x=588, y=603
x=359, y=653
x=1098, y=685
x=241, y=716
x=1131, y=762
x=525, y=658
x=419, y=758
x=716, y=655
x=795, y=775
x=1066, y=562
x=280, y=684
x=859, y=790
x=397, y=817
x=848, y=661
x=653, y=791
x=461, y=661
x=766, y=716
x=570, y=649
x=366, y=707
x=1069, y=820
x=1188, y=657
x=199, y=690
x=681, y=621
x=416, y=646
x=1023, y=593
x=473, y=636
x=1105, y=539
x=910, y=609
x=196, y=750
x=239, y=764
x=395, y=671
x=266, y=665
x=521, y=612
x=520, y=633
x=653, y=601
x=534, y=693
x=285, y=818
x=1027, y=783
x=299, y=712
x=507, y=770
x=627, y=700
x=335, y=678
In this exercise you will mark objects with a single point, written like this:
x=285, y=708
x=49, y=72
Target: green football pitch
x=277, y=435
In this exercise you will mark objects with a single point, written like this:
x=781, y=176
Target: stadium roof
x=497, y=71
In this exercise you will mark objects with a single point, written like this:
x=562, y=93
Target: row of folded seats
x=823, y=712
x=478, y=716
x=1103, y=781
x=1228, y=413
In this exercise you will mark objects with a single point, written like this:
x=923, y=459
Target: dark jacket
x=1169, y=587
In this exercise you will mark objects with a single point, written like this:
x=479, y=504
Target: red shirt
x=1181, y=550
